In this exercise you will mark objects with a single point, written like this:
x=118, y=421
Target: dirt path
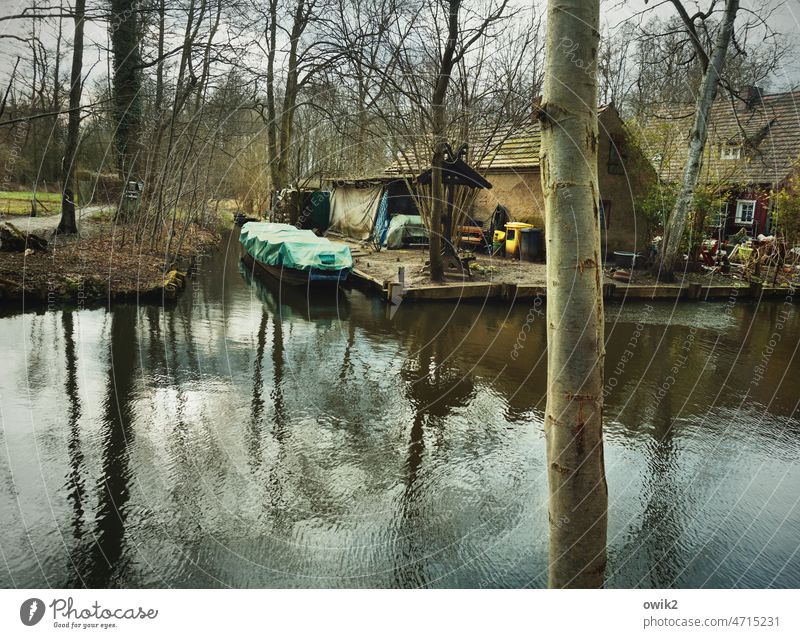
x=45, y=225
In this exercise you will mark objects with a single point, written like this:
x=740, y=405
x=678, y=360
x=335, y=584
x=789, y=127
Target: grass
x=19, y=202
x=27, y=195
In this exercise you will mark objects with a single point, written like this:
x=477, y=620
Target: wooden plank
x=466, y=291
x=629, y=291
x=363, y=280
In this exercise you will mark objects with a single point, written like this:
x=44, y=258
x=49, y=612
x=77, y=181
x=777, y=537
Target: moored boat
x=294, y=256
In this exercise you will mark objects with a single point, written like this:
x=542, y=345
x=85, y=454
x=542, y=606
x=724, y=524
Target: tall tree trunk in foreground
x=68, y=223
x=574, y=416
x=673, y=232
x=439, y=141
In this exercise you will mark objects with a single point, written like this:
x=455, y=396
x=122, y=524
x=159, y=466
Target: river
x=247, y=438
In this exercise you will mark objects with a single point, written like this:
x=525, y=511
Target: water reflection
x=75, y=484
x=101, y=561
x=250, y=437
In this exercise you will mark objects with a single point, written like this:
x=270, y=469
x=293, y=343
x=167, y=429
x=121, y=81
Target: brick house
x=752, y=150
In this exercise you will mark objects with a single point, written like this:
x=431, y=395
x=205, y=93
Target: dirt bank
x=101, y=265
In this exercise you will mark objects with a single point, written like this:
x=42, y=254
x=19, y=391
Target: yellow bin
x=512, y=237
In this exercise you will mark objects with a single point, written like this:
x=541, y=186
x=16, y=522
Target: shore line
x=394, y=292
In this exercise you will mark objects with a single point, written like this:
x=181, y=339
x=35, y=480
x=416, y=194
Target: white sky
x=786, y=20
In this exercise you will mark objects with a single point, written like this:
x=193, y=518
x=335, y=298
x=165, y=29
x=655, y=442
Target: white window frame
x=739, y=208
x=731, y=152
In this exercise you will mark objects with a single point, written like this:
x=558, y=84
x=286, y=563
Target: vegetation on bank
x=107, y=264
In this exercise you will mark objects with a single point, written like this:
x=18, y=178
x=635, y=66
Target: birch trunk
x=68, y=224
x=272, y=123
x=673, y=232
x=574, y=415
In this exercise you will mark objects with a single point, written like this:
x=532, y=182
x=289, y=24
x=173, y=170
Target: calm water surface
x=246, y=438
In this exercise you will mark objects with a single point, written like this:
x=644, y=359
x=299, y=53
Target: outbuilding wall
x=624, y=180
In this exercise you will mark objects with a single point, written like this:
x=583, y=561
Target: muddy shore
x=101, y=265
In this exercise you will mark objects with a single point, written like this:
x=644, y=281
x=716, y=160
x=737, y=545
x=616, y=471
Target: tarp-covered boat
x=294, y=255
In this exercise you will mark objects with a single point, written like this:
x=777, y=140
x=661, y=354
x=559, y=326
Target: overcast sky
x=785, y=20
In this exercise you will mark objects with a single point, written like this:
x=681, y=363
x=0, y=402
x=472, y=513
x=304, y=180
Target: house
x=752, y=150
x=509, y=160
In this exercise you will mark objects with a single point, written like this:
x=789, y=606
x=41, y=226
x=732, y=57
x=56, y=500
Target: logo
x=31, y=611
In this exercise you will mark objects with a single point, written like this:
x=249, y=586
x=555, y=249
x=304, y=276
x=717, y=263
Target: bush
x=787, y=212
x=658, y=202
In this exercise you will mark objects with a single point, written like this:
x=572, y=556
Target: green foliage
x=657, y=204
x=787, y=211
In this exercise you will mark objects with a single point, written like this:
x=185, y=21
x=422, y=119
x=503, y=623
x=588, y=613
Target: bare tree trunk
x=439, y=141
x=125, y=42
x=673, y=232
x=574, y=416
x=68, y=223
x=56, y=103
x=272, y=136
x=162, y=10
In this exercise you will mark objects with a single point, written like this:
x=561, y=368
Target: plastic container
x=531, y=248
x=513, y=238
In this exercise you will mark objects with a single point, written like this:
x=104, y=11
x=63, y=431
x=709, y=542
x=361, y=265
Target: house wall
x=761, y=194
x=622, y=184
x=520, y=192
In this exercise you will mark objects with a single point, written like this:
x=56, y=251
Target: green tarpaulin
x=406, y=230
x=289, y=247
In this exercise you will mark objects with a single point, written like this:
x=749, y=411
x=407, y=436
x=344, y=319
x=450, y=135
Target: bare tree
x=126, y=46
x=712, y=65
x=68, y=224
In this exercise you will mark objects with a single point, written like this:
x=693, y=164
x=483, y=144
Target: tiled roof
x=502, y=149
x=766, y=138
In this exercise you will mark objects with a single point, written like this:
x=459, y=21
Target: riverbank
x=501, y=279
x=100, y=265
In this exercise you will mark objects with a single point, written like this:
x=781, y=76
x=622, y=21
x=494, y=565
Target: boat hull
x=294, y=277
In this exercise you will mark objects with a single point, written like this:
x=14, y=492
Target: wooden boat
x=294, y=256
x=294, y=277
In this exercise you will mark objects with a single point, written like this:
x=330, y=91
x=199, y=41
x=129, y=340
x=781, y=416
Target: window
x=616, y=154
x=731, y=152
x=605, y=213
x=745, y=209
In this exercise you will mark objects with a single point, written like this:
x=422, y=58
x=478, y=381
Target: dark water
x=242, y=439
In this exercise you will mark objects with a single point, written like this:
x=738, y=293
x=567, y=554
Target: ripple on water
x=243, y=439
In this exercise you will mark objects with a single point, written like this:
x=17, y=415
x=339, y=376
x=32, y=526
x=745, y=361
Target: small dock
x=396, y=275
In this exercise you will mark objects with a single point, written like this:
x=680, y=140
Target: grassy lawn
x=19, y=203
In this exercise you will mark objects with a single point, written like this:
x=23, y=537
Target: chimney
x=752, y=96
